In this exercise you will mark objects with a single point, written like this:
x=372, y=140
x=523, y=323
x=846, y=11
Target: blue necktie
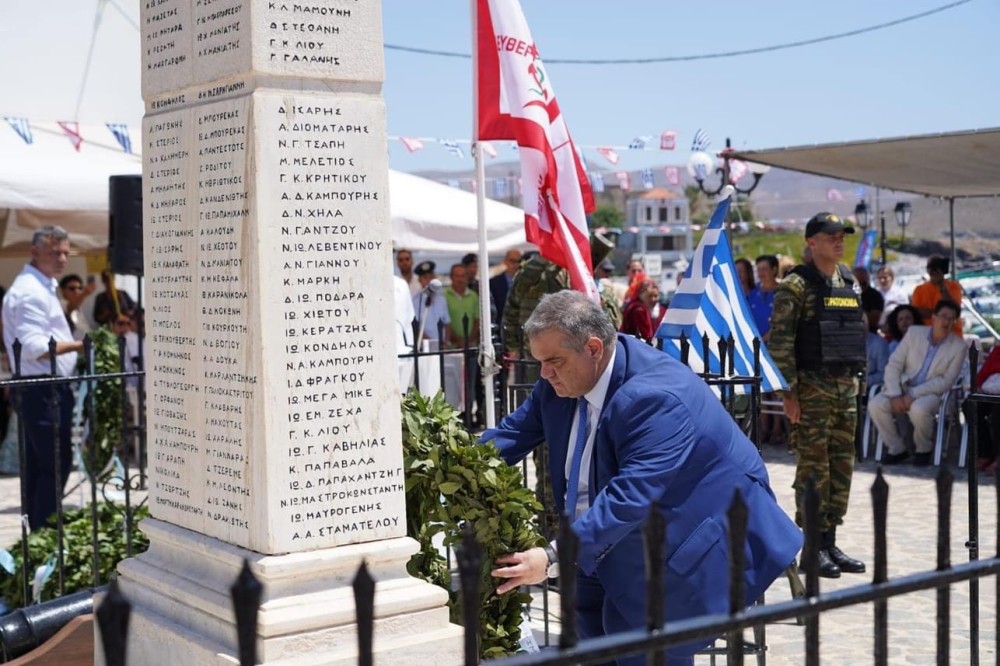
x=573, y=485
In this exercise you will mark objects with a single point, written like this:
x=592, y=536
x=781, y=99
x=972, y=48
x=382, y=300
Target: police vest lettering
x=831, y=335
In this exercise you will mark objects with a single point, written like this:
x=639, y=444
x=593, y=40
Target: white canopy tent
x=47, y=181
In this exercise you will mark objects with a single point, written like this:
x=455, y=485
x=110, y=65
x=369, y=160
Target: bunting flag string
x=610, y=151
x=120, y=132
x=22, y=127
x=72, y=131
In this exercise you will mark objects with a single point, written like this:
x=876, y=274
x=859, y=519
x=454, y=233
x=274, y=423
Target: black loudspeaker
x=125, y=224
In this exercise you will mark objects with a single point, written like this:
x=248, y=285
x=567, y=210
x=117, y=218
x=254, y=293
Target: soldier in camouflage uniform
x=535, y=278
x=818, y=342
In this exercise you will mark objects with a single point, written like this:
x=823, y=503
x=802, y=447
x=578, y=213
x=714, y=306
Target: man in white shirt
x=32, y=314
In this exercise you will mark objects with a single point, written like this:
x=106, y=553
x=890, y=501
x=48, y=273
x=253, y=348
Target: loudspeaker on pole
x=125, y=224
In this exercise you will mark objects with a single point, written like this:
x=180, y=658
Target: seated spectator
x=918, y=376
x=927, y=295
x=898, y=323
x=638, y=319
x=877, y=347
x=892, y=294
x=988, y=414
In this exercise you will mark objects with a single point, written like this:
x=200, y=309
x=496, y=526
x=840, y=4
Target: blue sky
x=934, y=74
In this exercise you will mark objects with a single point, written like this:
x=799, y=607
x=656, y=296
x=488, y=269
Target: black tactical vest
x=831, y=335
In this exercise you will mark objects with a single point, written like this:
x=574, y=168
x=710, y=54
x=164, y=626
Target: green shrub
x=106, y=426
x=451, y=480
x=77, y=552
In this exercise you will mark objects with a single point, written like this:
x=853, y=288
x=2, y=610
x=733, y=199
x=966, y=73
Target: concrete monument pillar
x=273, y=410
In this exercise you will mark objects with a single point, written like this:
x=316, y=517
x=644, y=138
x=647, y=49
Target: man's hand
x=900, y=404
x=526, y=568
x=792, y=409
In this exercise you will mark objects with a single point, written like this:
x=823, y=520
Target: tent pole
x=487, y=355
x=951, y=230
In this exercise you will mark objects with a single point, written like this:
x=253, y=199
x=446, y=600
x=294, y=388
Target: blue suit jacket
x=662, y=437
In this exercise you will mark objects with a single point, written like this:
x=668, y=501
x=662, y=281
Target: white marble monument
x=273, y=411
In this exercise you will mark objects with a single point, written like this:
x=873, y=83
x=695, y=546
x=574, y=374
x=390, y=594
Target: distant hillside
x=784, y=195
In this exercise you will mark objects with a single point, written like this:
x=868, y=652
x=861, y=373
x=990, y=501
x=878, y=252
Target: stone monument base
x=182, y=612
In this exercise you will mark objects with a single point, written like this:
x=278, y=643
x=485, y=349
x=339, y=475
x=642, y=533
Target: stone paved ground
x=847, y=635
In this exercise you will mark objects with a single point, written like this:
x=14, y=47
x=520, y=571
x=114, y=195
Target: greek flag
x=499, y=188
x=452, y=147
x=639, y=143
x=597, y=182
x=22, y=127
x=120, y=132
x=647, y=179
x=701, y=141
x=709, y=300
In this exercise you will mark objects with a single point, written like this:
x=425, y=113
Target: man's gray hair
x=575, y=315
x=47, y=234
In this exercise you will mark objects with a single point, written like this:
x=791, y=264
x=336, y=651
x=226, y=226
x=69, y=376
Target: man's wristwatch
x=553, y=569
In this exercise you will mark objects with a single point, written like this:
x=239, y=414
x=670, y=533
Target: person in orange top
x=927, y=295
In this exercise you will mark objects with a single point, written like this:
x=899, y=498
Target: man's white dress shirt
x=32, y=313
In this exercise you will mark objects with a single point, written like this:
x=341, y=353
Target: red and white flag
x=833, y=194
x=624, y=180
x=609, y=154
x=668, y=140
x=673, y=175
x=516, y=101
x=72, y=131
x=412, y=145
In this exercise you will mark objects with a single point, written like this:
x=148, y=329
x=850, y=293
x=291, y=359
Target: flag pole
x=487, y=355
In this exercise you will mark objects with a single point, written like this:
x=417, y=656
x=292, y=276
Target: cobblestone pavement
x=847, y=636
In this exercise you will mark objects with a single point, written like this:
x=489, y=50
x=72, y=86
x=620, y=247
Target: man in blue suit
x=628, y=426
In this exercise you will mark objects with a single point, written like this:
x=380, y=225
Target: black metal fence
x=656, y=636
x=118, y=482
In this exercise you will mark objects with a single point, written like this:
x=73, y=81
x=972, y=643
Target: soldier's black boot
x=827, y=567
x=846, y=563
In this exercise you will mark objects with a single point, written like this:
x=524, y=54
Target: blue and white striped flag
x=597, y=182
x=701, y=141
x=709, y=300
x=120, y=132
x=22, y=127
x=452, y=147
x=647, y=179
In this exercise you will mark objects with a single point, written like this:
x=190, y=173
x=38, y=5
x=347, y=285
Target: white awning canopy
x=952, y=165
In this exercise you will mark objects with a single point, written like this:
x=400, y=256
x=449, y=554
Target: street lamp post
x=903, y=212
x=700, y=165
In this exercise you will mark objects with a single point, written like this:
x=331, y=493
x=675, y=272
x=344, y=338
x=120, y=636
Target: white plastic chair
x=868, y=426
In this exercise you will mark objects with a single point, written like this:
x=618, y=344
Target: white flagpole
x=487, y=355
